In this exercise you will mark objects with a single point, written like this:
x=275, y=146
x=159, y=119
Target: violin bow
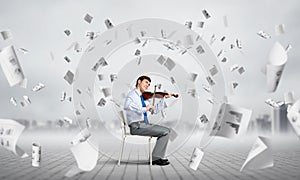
x=153, y=98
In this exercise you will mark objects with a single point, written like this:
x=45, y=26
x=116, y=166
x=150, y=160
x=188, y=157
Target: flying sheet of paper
x=101, y=102
x=200, y=24
x=188, y=24
x=137, y=40
x=263, y=35
x=200, y=49
x=223, y=38
x=11, y=66
x=210, y=81
x=86, y=155
x=196, y=158
x=279, y=29
x=192, y=77
x=212, y=39
x=294, y=117
x=232, y=87
x=161, y=60
x=38, y=87
x=231, y=121
x=23, y=50
x=36, y=155
x=241, y=70
x=289, y=98
x=13, y=101
x=108, y=24
x=89, y=91
x=188, y=40
x=113, y=77
x=88, y=122
x=234, y=67
x=77, y=47
x=68, y=120
x=10, y=132
x=173, y=134
x=88, y=18
x=52, y=56
x=69, y=77
x=169, y=64
x=205, y=13
x=81, y=105
x=172, y=80
x=203, y=119
x=206, y=88
x=63, y=96
x=6, y=35
x=163, y=33
x=276, y=61
x=273, y=103
x=191, y=92
x=71, y=46
x=238, y=43
x=67, y=59
x=225, y=21
x=224, y=60
x=67, y=32
x=100, y=62
x=213, y=71
x=100, y=77
x=26, y=100
x=260, y=155
x=288, y=48
x=91, y=35
x=77, y=112
x=221, y=52
x=137, y=52
x=106, y=91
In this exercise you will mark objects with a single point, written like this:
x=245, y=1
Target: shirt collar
x=138, y=92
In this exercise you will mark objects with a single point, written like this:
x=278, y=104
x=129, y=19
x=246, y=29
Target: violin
x=148, y=95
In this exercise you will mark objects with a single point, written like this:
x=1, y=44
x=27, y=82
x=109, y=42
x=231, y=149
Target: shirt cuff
x=144, y=109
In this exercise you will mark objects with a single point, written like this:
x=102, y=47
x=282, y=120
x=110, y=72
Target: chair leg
x=150, y=153
x=121, y=152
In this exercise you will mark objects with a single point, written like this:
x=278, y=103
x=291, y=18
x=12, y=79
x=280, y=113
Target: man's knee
x=166, y=131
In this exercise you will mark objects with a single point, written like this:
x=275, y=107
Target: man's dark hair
x=142, y=78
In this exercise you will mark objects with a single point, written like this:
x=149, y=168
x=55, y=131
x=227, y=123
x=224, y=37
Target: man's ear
x=139, y=82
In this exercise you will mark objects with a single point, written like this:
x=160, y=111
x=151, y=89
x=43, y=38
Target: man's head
x=142, y=83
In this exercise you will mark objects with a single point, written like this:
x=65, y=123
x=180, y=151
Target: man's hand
x=149, y=107
x=168, y=95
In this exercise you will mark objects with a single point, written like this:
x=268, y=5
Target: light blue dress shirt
x=134, y=108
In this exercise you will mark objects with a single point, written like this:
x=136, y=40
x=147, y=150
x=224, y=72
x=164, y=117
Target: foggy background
x=38, y=26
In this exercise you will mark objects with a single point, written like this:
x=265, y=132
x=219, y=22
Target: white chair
x=126, y=134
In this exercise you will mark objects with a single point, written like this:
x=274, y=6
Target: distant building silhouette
x=263, y=123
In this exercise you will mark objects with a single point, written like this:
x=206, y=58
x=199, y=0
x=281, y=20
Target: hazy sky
x=38, y=25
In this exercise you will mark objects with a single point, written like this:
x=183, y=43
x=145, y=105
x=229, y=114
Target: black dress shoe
x=160, y=162
x=166, y=160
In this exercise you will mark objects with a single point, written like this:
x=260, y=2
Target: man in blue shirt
x=136, y=109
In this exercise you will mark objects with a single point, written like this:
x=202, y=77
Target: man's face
x=144, y=84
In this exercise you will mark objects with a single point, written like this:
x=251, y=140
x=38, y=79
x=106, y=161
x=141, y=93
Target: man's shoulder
x=132, y=93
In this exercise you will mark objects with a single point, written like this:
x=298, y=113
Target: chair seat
x=131, y=135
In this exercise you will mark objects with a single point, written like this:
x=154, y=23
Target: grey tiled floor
x=222, y=160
